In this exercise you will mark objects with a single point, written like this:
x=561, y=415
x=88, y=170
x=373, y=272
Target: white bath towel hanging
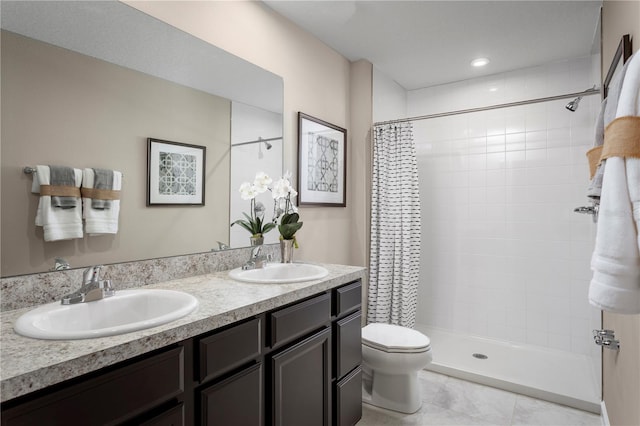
x=615, y=286
x=57, y=223
x=103, y=220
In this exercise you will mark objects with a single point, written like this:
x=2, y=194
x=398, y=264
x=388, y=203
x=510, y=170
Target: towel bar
x=28, y=170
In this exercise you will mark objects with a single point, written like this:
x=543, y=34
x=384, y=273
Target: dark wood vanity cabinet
x=295, y=365
x=145, y=390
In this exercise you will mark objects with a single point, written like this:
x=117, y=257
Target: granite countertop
x=27, y=365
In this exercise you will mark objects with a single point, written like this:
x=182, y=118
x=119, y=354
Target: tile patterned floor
x=451, y=401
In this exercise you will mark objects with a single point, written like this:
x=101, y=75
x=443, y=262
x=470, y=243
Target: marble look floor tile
x=434, y=415
x=430, y=384
x=478, y=401
x=530, y=412
x=450, y=401
x=374, y=416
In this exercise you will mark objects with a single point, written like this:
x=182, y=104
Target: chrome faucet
x=256, y=259
x=93, y=288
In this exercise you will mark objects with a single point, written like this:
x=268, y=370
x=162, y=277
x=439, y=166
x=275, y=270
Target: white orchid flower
x=281, y=189
x=262, y=182
x=248, y=191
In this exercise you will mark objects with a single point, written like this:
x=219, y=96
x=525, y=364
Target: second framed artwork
x=322, y=163
x=175, y=173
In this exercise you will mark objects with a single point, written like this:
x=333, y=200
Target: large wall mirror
x=84, y=84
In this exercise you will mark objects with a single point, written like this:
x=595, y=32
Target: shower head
x=267, y=144
x=573, y=105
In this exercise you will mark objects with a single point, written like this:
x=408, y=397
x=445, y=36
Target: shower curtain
x=394, y=263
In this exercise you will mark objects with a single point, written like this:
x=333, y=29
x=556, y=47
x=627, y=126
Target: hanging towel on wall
x=62, y=222
x=615, y=286
x=608, y=111
x=62, y=176
x=101, y=217
x=103, y=180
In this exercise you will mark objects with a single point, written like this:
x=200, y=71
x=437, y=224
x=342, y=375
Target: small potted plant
x=254, y=222
x=286, y=211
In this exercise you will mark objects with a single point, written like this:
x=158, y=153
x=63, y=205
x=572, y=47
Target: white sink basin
x=126, y=311
x=280, y=273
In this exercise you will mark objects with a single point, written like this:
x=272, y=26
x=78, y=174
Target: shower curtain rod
x=256, y=141
x=587, y=92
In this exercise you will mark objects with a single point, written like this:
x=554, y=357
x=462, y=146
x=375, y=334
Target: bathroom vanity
x=251, y=354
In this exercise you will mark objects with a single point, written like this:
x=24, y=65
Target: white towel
x=100, y=221
x=58, y=224
x=615, y=286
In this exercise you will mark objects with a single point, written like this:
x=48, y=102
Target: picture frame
x=175, y=173
x=322, y=163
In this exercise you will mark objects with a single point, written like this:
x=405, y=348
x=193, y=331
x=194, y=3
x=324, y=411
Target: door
x=301, y=382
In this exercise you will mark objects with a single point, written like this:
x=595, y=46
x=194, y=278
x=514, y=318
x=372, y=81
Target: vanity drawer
x=229, y=349
x=294, y=321
x=348, y=298
x=108, y=398
x=348, y=338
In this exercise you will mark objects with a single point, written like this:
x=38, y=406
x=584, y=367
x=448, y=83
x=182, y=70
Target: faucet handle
x=91, y=274
x=256, y=252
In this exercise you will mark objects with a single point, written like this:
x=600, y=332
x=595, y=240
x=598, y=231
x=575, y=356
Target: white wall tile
x=507, y=257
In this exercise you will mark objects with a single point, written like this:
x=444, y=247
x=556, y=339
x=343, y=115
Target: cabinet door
x=349, y=399
x=234, y=401
x=301, y=382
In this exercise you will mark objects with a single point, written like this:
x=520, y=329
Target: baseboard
x=604, y=416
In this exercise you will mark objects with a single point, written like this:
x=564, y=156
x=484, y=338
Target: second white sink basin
x=126, y=311
x=280, y=273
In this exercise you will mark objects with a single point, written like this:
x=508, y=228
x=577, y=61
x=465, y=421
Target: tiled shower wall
x=503, y=254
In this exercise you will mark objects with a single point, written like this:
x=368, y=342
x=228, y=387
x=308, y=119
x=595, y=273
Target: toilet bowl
x=391, y=358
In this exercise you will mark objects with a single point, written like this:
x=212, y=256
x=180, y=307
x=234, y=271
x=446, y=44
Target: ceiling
x=425, y=43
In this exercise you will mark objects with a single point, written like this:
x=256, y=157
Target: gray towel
x=595, y=186
x=607, y=114
x=62, y=176
x=102, y=179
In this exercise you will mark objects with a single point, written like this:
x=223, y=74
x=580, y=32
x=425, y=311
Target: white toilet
x=391, y=358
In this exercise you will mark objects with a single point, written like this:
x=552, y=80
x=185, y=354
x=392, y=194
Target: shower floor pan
x=547, y=374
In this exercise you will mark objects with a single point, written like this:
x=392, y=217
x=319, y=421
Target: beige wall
x=60, y=107
x=361, y=119
x=316, y=82
x=621, y=370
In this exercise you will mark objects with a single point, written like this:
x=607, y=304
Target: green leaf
x=289, y=218
x=243, y=224
x=268, y=227
x=288, y=230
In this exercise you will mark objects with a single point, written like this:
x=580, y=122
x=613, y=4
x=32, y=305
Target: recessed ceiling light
x=493, y=89
x=480, y=62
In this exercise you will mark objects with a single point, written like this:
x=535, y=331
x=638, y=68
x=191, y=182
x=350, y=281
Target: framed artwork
x=175, y=173
x=322, y=163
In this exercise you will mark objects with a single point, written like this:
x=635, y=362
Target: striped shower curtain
x=394, y=263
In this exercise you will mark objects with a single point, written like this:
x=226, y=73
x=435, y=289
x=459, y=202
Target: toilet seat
x=394, y=339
